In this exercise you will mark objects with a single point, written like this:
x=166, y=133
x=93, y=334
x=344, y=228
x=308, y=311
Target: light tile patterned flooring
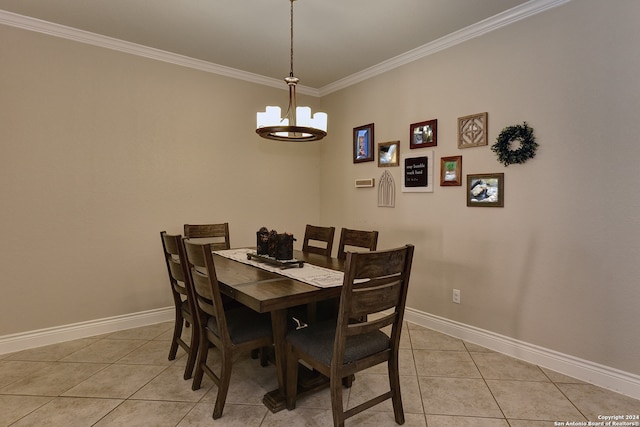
x=125, y=379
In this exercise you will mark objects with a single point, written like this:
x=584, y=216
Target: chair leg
x=348, y=381
x=264, y=356
x=201, y=360
x=336, y=401
x=311, y=312
x=396, y=396
x=223, y=387
x=193, y=353
x=291, y=386
x=177, y=332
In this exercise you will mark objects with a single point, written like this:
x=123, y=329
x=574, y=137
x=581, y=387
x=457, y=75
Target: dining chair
x=183, y=300
x=374, y=283
x=318, y=240
x=216, y=234
x=356, y=239
x=236, y=330
x=349, y=239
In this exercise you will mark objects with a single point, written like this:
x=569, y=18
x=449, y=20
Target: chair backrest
x=373, y=282
x=208, y=299
x=215, y=234
x=175, y=259
x=356, y=239
x=314, y=235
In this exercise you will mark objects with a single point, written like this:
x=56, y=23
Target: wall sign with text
x=417, y=173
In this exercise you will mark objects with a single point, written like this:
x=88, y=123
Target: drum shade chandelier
x=298, y=125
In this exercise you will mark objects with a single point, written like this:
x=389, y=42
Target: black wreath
x=526, y=151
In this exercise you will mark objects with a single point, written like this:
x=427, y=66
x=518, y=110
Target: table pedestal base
x=309, y=382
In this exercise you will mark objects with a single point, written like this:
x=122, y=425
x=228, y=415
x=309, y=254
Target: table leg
x=275, y=400
x=308, y=381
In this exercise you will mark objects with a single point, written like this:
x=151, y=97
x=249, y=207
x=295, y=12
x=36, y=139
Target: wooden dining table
x=270, y=292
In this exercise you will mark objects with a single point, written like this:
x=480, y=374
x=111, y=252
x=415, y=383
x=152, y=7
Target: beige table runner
x=308, y=273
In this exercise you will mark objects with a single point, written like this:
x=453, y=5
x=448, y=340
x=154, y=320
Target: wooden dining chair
x=183, y=300
x=349, y=239
x=318, y=240
x=216, y=234
x=236, y=330
x=374, y=283
x=356, y=239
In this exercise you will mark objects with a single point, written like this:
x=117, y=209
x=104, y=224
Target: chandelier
x=298, y=125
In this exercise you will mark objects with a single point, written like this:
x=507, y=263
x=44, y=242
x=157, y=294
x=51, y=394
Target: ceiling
x=333, y=39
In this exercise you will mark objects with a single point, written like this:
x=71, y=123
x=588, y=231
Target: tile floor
x=125, y=379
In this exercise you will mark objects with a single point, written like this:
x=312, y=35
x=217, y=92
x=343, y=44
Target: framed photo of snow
x=388, y=153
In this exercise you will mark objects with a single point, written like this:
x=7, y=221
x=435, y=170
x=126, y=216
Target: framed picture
x=389, y=153
x=417, y=173
x=424, y=134
x=450, y=171
x=485, y=189
x=363, y=140
x=472, y=130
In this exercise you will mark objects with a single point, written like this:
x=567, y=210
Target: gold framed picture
x=451, y=171
x=389, y=153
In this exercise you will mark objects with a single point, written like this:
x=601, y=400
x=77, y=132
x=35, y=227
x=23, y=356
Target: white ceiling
x=333, y=39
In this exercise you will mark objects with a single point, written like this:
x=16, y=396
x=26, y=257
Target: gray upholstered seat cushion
x=244, y=325
x=318, y=339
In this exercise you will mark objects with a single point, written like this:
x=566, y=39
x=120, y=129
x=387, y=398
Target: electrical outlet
x=456, y=296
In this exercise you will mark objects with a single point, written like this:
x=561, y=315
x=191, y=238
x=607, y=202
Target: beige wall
x=559, y=265
x=101, y=151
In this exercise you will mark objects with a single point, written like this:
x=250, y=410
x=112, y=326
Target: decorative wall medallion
x=472, y=130
x=386, y=190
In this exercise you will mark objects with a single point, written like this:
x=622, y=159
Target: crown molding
x=500, y=20
x=518, y=13
x=81, y=36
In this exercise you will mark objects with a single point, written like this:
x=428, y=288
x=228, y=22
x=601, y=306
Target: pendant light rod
x=292, y=81
x=291, y=31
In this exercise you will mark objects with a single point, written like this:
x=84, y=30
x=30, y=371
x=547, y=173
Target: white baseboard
x=42, y=337
x=602, y=376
